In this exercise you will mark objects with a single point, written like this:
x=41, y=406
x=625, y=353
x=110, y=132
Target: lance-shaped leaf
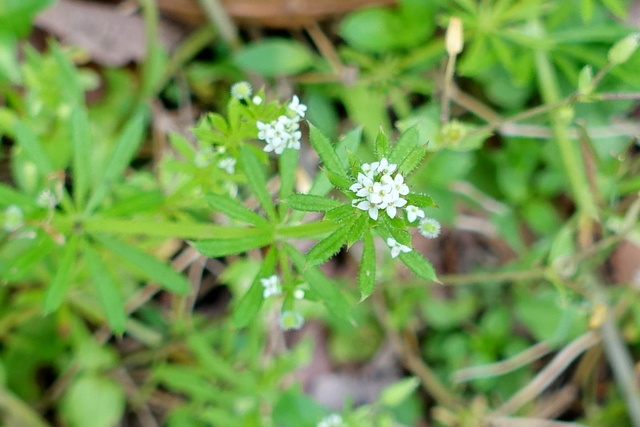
x=420, y=200
x=234, y=209
x=125, y=148
x=340, y=181
x=326, y=152
x=30, y=143
x=81, y=141
x=108, y=292
x=331, y=244
x=381, y=145
x=64, y=272
x=405, y=144
x=367, y=273
x=152, y=267
x=250, y=303
x=216, y=248
x=9, y=196
x=311, y=203
x=413, y=160
x=318, y=282
x=357, y=228
x=257, y=180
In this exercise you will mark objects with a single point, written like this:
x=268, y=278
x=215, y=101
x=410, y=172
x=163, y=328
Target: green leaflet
x=340, y=181
x=357, y=228
x=340, y=214
x=58, y=287
x=183, y=229
x=234, y=209
x=216, y=248
x=257, y=180
x=326, y=152
x=152, y=267
x=318, y=282
x=381, y=145
x=413, y=160
x=126, y=147
x=81, y=141
x=309, y=230
x=108, y=292
x=311, y=203
x=420, y=200
x=251, y=302
x=331, y=244
x=10, y=196
x=405, y=144
x=367, y=273
x=420, y=266
x=30, y=143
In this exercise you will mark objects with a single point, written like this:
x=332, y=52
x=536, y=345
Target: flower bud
x=585, y=81
x=454, y=39
x=623, y=49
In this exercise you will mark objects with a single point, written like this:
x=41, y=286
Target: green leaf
x=10, y=196
x=64, y=272
x=182, y=229
x=419, y=265
x=311, y=203
x=288, y=164
x=405, y=144
x=274, y=57
x=318, y=282
x=216, y=248
x=340, y=214
x=398, y=392
x=330, y=245
x=82, y=142
x=339, y=181
x=381, y=146
x=107, y=289
x=257, y=180
x=152, y=267
x=93, y=400
x=420, y=200
x=309, y=230
x=326, y=152
x=234, y=209
x=24, y=263
x=29, y=142
x=413, y=160
x=125, y=148
x=250, y=304
x=356, y=230
x=367, y=272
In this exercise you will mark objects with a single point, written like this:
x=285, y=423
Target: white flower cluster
x=285, y=131
x=333, y=420
x=291, y=320
x=271, y=286
x=377, y=189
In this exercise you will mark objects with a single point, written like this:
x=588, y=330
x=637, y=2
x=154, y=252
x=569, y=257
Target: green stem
x=569, y=152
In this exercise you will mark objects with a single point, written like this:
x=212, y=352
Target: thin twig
x=500, y=368
x=559, y=363
x=220, y=19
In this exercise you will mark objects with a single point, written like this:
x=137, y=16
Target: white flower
x=396, y=247
x=299, y=293
x=298, y=108
x=46, y=199
x=429, y=228
x=13, y=218
x=271, y=286
x=291, y=320
x=228, y=164
x=333, y=420
x=257, y=100
x=376, y=189
x=365, y=205
x=413, y=213
x=280, y=134
x=202, y=159
x=241, y=90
